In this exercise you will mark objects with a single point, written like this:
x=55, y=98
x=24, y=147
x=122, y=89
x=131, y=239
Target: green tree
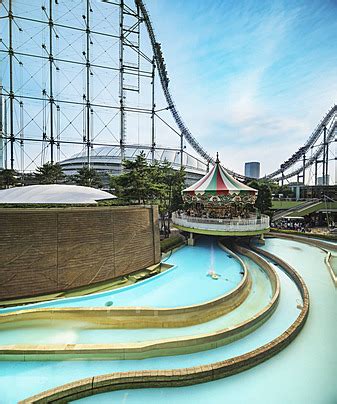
x=167, y=185
x=263, y=202
x=157, y=183
x=8, y=178
x=88, y=177
x=49, y=174
x=133, y=185
x=285, y=191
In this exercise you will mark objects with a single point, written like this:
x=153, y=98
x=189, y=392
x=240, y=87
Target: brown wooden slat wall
x=48, y=250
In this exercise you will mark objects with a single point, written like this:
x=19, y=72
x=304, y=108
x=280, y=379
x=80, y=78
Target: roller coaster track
x=164, y=80
x=296, y=157
x=276, y=175
x=311, y=160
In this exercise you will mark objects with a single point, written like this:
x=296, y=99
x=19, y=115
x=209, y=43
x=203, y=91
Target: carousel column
x=191, y=240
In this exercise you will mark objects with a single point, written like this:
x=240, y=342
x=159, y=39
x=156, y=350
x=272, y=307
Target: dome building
x=59, y=194
x=218, y=204
x=107, y=160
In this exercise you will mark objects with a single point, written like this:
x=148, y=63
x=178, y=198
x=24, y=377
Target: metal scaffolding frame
x=56, y=128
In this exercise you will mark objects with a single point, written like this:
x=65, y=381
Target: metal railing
x=237, y=224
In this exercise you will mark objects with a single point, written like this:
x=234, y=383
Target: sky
x=252, y=79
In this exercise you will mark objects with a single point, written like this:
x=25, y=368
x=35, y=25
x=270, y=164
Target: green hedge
x=331, y=237
x=285, y=204
x=169, y=243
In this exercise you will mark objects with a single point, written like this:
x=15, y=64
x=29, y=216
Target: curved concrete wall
x=50, y=250
x=307, y=240
x=315, y=243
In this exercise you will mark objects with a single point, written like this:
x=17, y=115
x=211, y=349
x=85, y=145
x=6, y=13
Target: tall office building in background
x=252, y=169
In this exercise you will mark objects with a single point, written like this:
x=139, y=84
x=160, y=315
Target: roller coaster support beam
x=153, y=143
x=324, y=154
x=325, y=160
x=316, y=163
x=302, y=176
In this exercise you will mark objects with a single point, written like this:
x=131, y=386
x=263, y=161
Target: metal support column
x=327, y=164
x=5, y=129
x=58, y=137
x=11, y=92
x=324, y=154
x=303, y=174
x=22, y=156
x=2, y=143
x=153, y=113
x=316, y=163
x=121, y=82
x=181, y=151
x=51, y=96
x=282, y=178
x=87, y=96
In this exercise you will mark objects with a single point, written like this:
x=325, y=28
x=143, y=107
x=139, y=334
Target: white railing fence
x=237, y=224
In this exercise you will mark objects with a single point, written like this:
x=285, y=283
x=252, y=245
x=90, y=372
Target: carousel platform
x=222, y=227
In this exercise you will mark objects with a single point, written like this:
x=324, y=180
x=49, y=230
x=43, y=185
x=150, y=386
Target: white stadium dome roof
x=106, y=155
x=54, y=194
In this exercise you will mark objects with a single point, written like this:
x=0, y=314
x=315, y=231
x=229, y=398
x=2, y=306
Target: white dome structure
x=107, y=159
x=53, y=194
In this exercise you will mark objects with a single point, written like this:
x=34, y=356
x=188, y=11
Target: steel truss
x=55, y=127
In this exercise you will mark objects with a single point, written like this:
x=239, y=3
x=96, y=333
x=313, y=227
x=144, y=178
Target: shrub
x=169, y=243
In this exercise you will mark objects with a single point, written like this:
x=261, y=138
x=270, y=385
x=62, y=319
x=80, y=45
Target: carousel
x=218, y=204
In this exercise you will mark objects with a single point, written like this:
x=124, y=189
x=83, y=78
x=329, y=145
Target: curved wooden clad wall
x=50, y=250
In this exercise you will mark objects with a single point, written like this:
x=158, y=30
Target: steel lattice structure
x=78, y=75
x=74, y=76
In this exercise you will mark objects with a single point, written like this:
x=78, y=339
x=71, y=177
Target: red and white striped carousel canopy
x=218, y=182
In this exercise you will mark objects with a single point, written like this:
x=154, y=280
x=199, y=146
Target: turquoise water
x=33, y=377
x=304, y=372
x=71, y=332
x=186, y=284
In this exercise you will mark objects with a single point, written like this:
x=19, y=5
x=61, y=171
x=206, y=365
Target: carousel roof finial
x=217, y=158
